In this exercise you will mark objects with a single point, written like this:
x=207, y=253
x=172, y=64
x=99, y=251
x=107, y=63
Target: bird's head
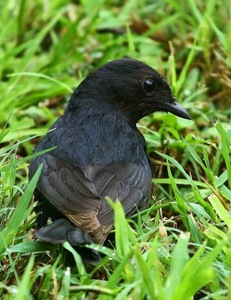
x=132, y=87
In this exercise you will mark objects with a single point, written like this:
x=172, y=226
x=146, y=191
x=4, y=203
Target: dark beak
x=176, y=109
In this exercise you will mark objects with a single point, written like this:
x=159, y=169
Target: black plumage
x=100, y=152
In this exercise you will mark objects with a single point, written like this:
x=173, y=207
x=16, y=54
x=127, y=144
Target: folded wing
x=79, y=191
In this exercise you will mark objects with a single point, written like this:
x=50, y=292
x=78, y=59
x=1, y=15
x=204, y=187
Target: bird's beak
x=176, y=109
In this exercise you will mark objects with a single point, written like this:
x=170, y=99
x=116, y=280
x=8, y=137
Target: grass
x=179, y=247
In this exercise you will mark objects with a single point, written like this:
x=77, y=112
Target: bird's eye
x=149, y=86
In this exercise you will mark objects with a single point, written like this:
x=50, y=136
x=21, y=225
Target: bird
x=99, y=152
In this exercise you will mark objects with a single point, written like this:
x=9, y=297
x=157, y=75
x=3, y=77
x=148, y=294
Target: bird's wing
x=79, y=192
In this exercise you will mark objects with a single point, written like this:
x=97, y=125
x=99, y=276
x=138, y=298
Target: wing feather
x=79, y=191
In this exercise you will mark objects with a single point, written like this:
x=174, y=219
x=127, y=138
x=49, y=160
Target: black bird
x=100, y=152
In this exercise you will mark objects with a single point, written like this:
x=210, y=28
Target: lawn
x=180, y=246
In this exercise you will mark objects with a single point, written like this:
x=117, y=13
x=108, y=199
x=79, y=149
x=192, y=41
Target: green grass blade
x=20, y=214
